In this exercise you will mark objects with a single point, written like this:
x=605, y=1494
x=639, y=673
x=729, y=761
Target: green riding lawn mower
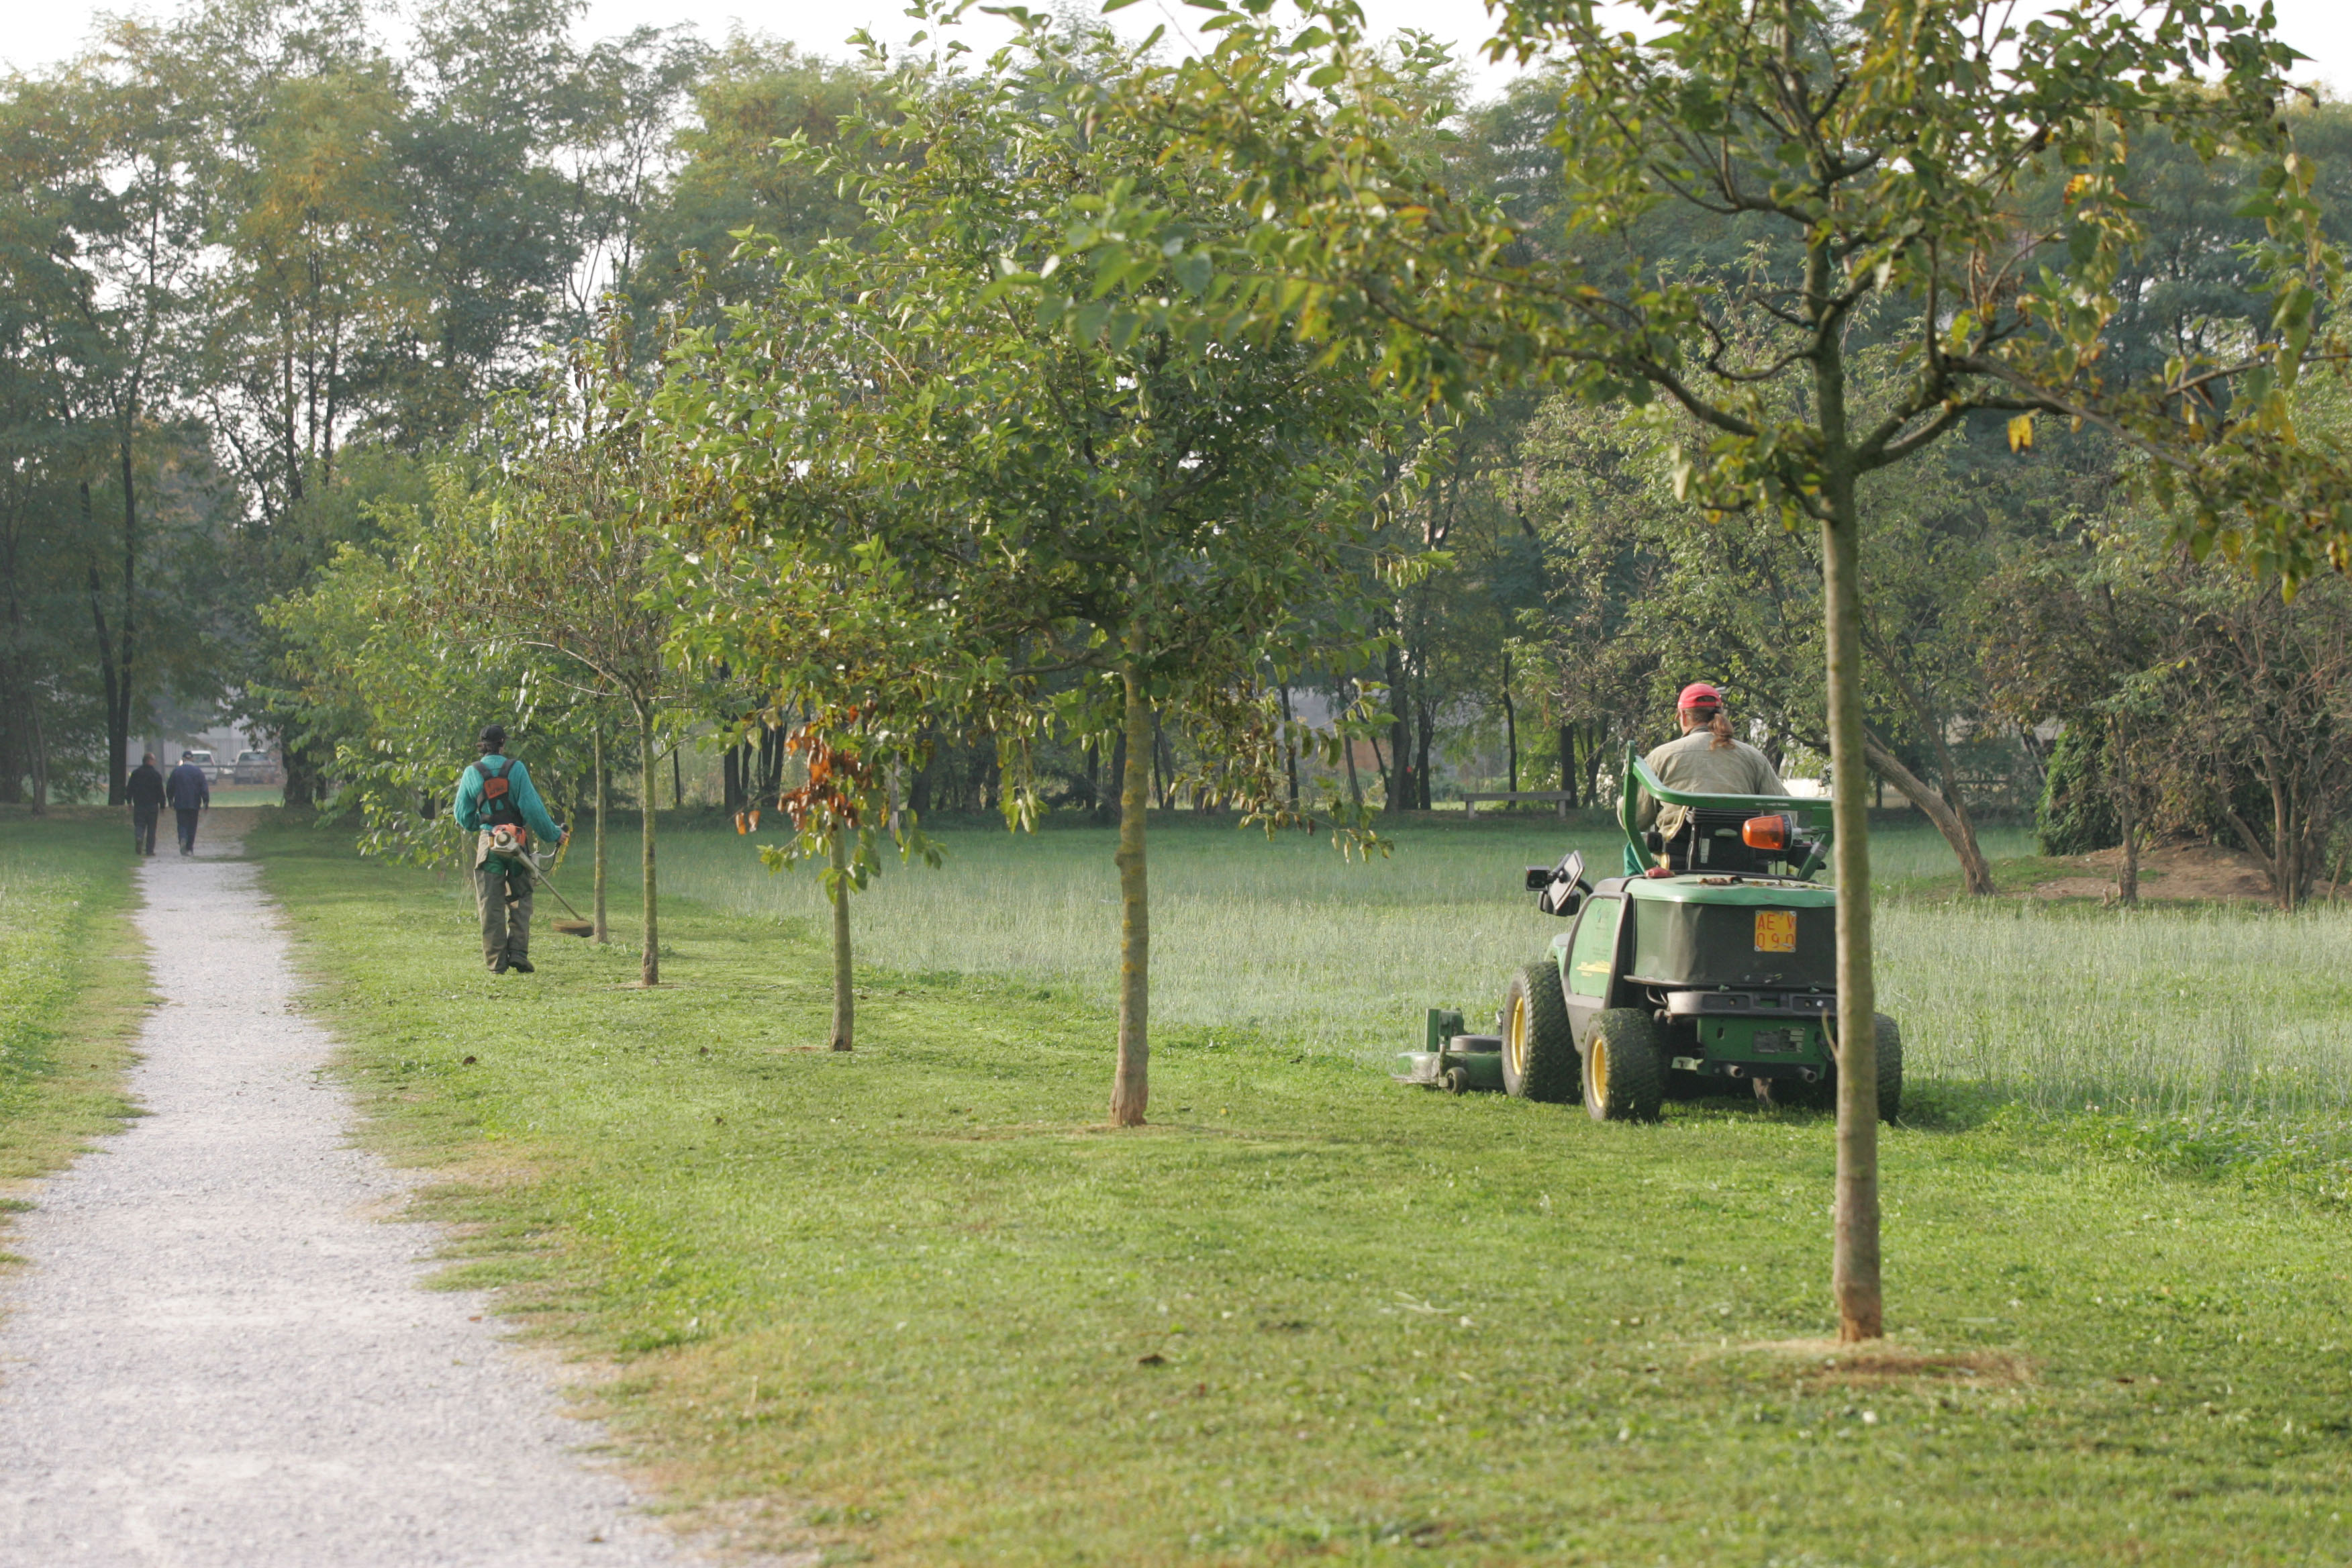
x=1709, y=967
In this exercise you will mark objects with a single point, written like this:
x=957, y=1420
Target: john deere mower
x=1709, y=965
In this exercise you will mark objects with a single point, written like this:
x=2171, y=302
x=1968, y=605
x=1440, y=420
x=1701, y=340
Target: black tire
x=1624, y=1067
x=1539, y=1060
x=1454, y=1081
x=1890, y=1067
x=1890, y=1074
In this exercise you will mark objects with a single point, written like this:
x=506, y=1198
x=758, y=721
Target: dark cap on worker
x=1699, y=694
x=492, y=738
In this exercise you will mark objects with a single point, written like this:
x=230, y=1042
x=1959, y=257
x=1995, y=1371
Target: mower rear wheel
x=1624, y=1067
x=1890, y=1074
x=1539, y=1042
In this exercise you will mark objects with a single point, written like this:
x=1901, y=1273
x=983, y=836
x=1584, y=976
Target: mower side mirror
x=1560, y=891
x=1561, y=898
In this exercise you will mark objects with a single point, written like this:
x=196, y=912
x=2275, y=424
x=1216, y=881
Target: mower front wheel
x=1539, y=1042
x=1624, y=1067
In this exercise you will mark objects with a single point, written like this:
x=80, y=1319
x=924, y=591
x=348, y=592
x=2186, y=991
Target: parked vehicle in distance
x=255, y=768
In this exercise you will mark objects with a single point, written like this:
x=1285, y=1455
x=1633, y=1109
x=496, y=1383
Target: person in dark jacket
x=189, y=791
x=146, y=792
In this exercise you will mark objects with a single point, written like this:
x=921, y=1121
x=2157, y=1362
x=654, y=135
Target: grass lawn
x=73, y=986
x=915, y=1305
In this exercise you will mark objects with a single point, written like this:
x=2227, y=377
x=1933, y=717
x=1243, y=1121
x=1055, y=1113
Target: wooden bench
x=1470, y=799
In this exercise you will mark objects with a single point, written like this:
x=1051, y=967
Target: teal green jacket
x=469, y=811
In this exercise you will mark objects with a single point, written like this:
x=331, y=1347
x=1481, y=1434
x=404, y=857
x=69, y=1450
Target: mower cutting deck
x=1712, y=962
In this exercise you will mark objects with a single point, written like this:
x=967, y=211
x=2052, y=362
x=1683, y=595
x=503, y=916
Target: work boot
x=499, y=964
x=521, y=966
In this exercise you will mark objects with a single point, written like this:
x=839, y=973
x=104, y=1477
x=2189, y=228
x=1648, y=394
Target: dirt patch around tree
x=1829, y=1362
x=2185, y=873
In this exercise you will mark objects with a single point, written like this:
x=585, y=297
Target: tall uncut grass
x=2060, y=1007
x=2149, y=1010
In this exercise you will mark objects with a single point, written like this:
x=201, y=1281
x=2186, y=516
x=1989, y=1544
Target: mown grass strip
x=915, y=1305
x=73, y=987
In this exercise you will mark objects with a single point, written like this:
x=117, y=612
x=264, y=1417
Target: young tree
x=815, y=631
x=392, y=692
x=1874, y=161
x=564, y=553
x=1122, y=520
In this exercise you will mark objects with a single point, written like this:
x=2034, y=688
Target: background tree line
x=267, y=275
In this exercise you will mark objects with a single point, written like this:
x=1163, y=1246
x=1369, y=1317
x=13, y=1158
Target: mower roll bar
x=1812, y=813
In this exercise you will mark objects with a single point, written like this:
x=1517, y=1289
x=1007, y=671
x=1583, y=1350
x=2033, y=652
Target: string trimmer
x=575, y=926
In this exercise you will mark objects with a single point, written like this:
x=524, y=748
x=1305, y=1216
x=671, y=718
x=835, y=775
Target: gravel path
x=220, y=1356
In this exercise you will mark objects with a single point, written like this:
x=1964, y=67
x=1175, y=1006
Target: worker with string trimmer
x=499, y=805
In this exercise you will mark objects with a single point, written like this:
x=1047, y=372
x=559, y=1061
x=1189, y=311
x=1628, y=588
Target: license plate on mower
x=1776, y=930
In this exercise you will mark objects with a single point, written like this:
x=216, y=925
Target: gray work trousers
x=502, y=888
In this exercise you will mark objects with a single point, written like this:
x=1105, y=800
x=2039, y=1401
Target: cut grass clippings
x=73, y=987
x=916, y=1305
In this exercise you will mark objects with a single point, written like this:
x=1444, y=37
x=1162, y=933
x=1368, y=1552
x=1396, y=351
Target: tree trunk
x=1568, y=762
x=1425, y=732
x=1111, y=809
x=1159, y=779
x=38, y=755
x=1355, y=783
x=1289, y=746
x=1854, y=1264
x=305, y=780
x=1976, y=872
x=602, y=935
x=1511, y=728
x=845, y=997
x=109, y=678
x=1949, y=811
x=1131, y=1086
x=1399, y=763
x=649, y=970
x=118, y=726
x=2127, y=817
x=677, y=779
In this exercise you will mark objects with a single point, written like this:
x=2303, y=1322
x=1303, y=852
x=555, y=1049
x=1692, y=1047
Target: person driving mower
x=1706, y=760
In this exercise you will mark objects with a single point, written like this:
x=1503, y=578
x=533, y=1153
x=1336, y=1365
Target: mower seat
x=1709, y=841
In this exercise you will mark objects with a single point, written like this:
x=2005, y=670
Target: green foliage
x=2077, y=813
x=1075, y=489
x=396, y=683
x=752, y=95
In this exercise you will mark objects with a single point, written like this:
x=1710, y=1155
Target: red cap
x=1699, y=694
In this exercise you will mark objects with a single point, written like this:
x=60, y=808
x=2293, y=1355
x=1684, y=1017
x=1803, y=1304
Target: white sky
x=38, y=34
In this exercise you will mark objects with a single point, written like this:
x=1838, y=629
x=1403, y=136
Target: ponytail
x=1720, y=727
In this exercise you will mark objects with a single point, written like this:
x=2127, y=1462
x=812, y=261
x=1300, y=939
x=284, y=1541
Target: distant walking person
x=189, y=791
x=497, y=802
x=146, y=792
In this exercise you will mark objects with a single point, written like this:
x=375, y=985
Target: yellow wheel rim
x=1596, y=1072
x=1514, y=1035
